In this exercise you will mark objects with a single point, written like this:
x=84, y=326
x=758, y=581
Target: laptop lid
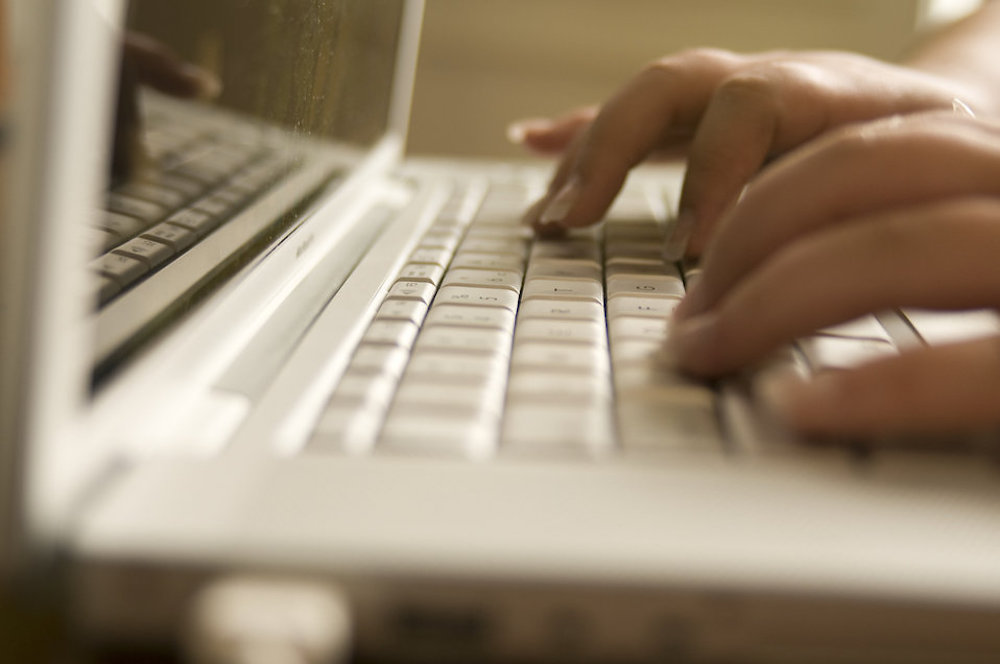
x=56, y=162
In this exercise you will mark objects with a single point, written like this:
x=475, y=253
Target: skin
x=148, y=62
x=862, y=189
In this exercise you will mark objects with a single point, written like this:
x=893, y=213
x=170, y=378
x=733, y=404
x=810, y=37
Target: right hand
x=728, y=113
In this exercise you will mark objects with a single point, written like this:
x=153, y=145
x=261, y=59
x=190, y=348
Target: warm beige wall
x=486, y=62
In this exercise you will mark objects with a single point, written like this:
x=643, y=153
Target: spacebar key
x=427, y=432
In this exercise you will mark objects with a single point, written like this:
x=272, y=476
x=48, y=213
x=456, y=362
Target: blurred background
x=485, y=63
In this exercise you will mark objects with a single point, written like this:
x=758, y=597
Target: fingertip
x=531, y=215
x=520, y=131
x=206, y=84
x=548, y=231
x=541, y=135
x=559, y=206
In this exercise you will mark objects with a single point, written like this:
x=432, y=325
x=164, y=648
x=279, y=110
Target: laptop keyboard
x=198, y=178
x=491, y=342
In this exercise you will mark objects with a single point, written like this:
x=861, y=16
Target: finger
x=936, y=390
x=642, y=117
x=547, y=136
x=748, y=120
x=937, y=256
x=730, y=145
x=857, y=171
x=160, y=68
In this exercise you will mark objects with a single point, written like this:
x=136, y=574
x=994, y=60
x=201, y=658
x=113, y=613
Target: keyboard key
x=645, y=329
x=432, y=274
x=439, y=240
x=564, y=289
x=829, y=353
x=165, y=198
x=421, y=393
x=193, y=220
x=652, y=380
x=563, y=331
x=866, y=327
x=402, y=310
x=652, y=251
x=125, y=270
x=515, y=248
x=488, y=297
x=457, y=367
x=488, y=317
x=419, y=432
x=561, y=269
x=636, y=267
x=562, y=309
x=363, y=389
x=216, y=205
x=188, y=188
x=634, y=231
x=412, y=290
x=431, y=256
x=466, y=339
x=591, y=359
x=645, y=285
x=372, y=359
x=106, y=288
x=661, y=426
x=653, y=307
x=345, y=429
x=177, y=237
x=551, y=429
x=151, y=252
x=391, y=332
x=582, y=250
x=122, y=226
x=473, y=259
x=536, y=386
x=144, y=211
x=484, y=278
x=501, y=232
x=635, y=352
x=101, y=241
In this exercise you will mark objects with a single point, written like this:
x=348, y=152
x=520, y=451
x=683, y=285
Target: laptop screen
x=317, y=66
x=232, y=115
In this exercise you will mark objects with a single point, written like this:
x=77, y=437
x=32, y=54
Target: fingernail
x=517, y=132
x=530, y=216
x=556, y=211
x=676, y=243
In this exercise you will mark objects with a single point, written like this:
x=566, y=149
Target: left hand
x=899, y=212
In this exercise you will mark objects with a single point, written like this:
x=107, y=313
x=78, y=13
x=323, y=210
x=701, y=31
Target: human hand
x=146, y=61
x=899, y=212
x=728, y=113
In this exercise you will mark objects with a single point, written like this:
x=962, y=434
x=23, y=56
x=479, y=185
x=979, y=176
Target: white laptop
x=278, y=347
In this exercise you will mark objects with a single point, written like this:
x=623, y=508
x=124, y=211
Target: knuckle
x=691, y=61
x=755, y=88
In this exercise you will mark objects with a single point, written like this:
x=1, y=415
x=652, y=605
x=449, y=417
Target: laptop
x=383, y=384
